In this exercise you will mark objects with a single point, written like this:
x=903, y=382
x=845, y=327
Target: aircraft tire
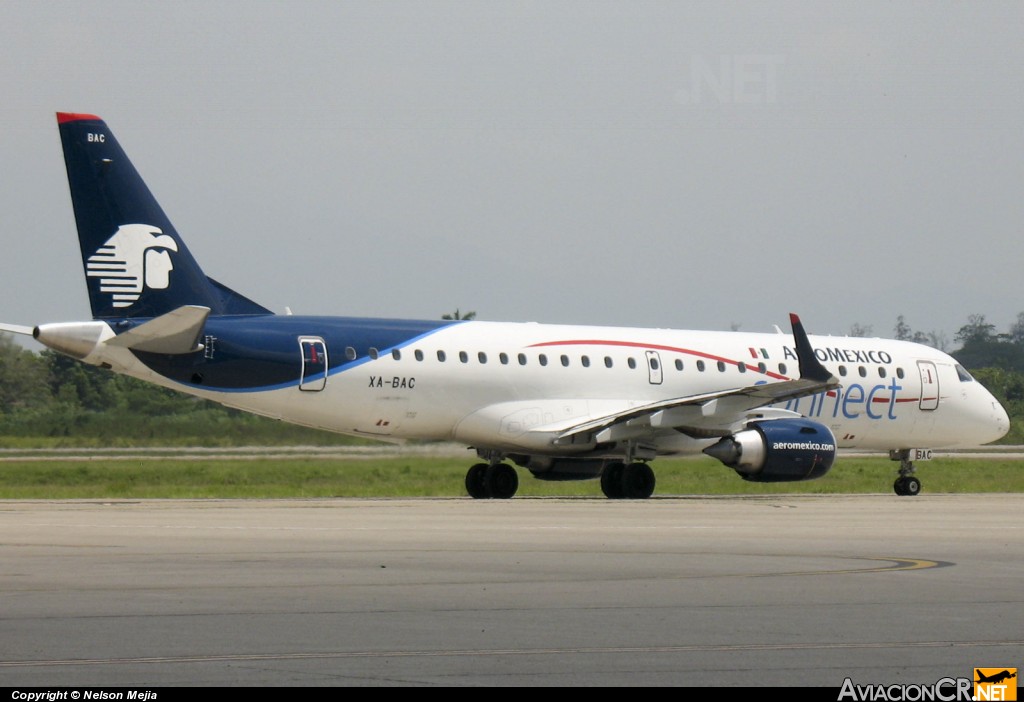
x=501, y=481
x=475, y=481
x=911, y=487
x=611, y=480
x=907, y=486
x=638, y=481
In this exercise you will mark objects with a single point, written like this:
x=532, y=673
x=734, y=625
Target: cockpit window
x=964, y=376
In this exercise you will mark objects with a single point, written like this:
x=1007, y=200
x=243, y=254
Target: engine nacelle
x=75, y=339
x=780, y=450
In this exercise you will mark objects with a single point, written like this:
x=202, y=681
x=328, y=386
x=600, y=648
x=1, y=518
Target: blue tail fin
x=136, y=265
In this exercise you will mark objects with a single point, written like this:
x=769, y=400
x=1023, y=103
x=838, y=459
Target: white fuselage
x=518, y=387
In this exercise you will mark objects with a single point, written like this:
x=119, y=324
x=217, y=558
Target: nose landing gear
x=906, y=484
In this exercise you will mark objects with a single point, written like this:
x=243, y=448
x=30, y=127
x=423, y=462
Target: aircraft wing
x=712, y=413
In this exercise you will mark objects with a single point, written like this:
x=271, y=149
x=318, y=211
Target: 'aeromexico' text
x=843, y=355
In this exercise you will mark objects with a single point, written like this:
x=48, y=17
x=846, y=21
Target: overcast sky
x=664, y=164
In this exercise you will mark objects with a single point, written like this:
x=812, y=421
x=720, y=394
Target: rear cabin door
x=314, y=364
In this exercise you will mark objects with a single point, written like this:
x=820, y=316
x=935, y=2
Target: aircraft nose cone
x=991, y=422
x=1002, y=420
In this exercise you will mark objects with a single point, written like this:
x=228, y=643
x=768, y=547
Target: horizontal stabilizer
x=176, y=332
x=16, y=329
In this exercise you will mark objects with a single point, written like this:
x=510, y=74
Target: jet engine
x=779, y=450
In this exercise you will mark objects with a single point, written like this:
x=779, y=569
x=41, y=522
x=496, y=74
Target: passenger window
x=374, y=353
x=741, y=367
x=862, y=371
x=842, y=371
x=881, y=372
x=607, y=361
x=700, y=366
x=899, y=373
x=350, y=353
x=679, y=364
x=542, y=359
x=441, y=355
x=522, y=359
x=503, y=357
x=761, y=367
x=482, y=357
x=419, y=355
x=463, y=356
x=782, y=368
x=721, y=366
x=631, y=362
x=565, y=360
x=396, y=354
x=585, y=361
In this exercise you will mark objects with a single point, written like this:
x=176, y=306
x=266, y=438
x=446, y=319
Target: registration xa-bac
x=563, y=402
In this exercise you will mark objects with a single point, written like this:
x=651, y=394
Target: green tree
x=902, y=331
x=982, y=347
x=977, y=330
x=457, y=315
x=23, y=378
x=78, y=385
x=1017, y=329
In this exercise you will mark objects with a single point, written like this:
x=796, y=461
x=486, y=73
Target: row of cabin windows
x=542, y=359
x=863, y=372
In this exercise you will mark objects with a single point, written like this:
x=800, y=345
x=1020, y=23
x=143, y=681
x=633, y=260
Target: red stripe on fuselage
x=700, y=354
x=659, y=347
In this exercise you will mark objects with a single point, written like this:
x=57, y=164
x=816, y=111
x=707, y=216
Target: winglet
x=810, y=366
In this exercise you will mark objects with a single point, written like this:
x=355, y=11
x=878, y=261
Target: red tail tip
x=63, y=117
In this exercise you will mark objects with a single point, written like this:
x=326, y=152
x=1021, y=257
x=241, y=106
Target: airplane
x=995, y=678
x=562, y=402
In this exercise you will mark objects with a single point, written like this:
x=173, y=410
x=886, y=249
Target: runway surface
x=780, y=590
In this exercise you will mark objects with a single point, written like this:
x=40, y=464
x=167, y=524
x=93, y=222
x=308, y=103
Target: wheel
x=900, y=486
x=907, y=486
x=638, y=481
x=611, y=480
x=475, y=481
x=501, y=481
x=911, y=486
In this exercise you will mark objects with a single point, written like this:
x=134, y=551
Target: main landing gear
x=906, y=484
x=619, y=481
x=634, y=481
x=497, y=481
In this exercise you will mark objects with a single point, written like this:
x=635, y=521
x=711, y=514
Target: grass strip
x=443, y=477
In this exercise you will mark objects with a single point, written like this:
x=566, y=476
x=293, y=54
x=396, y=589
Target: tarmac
x=708, y=591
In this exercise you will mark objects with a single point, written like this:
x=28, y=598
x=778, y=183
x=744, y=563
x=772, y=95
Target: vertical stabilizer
x=135, y=263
